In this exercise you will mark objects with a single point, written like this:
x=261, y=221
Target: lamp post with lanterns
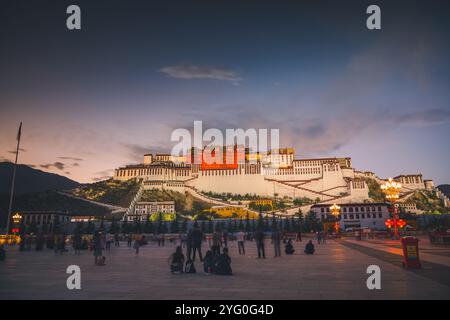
x=17, y=219
x=335, y=211
x=391, y=189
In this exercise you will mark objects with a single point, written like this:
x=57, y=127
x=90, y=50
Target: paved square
x=337, y=271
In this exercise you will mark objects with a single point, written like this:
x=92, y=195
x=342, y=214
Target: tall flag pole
x=19, y=134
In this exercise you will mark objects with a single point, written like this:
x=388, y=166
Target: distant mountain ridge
x=445, y=189
x=32, y=180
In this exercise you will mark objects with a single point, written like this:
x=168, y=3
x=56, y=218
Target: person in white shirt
x=240, y=236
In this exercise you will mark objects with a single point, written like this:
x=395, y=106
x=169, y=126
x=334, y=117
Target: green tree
x=184, y=226
x=126, y=228
x=114, y=228
x=174, y=228
x=203, y=226
x=90, y=228
x=137, y=226
x=210, y=226
x=241, y=225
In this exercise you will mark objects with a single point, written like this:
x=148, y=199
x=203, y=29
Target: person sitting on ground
x=289, y=248
x=208, y=263
x=309, y=248
x=189, y=267
x=223, y=264
x=176, y=261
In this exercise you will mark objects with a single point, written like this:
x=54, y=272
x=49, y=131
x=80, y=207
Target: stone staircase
x=137, y=197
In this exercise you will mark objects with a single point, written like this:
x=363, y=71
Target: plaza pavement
x=336, y=271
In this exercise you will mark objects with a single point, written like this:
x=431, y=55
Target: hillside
x=49, y=201
x=119, y=193
x=184, y=203
x=31, y=180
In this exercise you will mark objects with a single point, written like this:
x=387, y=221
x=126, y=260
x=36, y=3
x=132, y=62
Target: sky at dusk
x=100, y=97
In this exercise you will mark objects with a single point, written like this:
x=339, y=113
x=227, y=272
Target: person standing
x=116, y=240
x=299, y=236
x=109, y=240
x=129, y=240
x=98, y=253
x=197, y=238
x=189, y=244
x=77, y=243
x=276, y=241
x=240, y=236
x=217, y=242
x=259, y=238
x=137, y=245
x=225, y=238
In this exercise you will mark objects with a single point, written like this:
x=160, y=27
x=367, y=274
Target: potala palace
x=274, y=174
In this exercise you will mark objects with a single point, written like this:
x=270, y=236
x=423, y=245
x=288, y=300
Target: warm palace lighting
x=335, y=210
x=391, y=189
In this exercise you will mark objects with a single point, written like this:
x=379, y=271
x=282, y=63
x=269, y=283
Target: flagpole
x=19, y=134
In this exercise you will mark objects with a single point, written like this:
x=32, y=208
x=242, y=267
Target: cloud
x=14, y=151
x=75, y=164
x=201, y=72
x=57, y=165
x=424, y=117
x=136, y=152
x=70, y=158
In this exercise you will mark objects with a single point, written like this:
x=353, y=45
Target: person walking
x=276, y=241
x=197, y=238
x=240, y=236
x=259, y=238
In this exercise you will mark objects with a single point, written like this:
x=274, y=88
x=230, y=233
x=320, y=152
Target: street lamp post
x=391, y=189
x=335, y=211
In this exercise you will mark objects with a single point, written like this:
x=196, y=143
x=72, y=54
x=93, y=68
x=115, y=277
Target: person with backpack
x=176, y=261
x=223, y=264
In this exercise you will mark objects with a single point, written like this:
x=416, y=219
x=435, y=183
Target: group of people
x=212, y=263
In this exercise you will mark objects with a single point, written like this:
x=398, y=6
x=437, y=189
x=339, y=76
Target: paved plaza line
x=434, y=271
x=424, y=256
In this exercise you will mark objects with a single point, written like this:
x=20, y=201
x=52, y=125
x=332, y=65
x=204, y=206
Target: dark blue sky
x=114, y=90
